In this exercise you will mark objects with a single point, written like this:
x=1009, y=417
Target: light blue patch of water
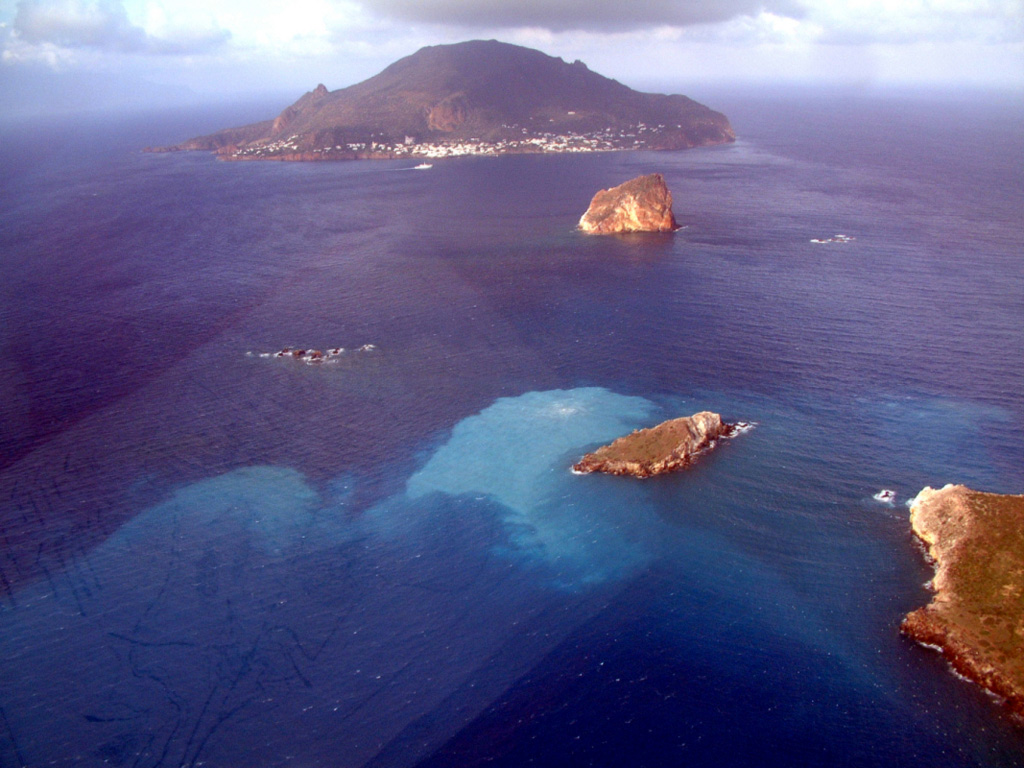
x=271, y=507
x=519, y=452
x=507, y=449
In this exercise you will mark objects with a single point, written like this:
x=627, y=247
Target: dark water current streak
x=209, y=557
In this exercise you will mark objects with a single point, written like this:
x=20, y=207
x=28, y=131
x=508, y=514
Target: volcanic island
x=480, y=97
x=976, y=618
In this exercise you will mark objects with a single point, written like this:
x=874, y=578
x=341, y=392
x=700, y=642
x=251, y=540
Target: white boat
x=423, y=166
x=834, y=239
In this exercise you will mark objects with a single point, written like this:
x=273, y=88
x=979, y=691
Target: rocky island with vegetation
x=670, y=446
x=976, y=618
x=481, y=97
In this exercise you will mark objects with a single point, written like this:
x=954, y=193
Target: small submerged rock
x=313, y=356
x=670, y=446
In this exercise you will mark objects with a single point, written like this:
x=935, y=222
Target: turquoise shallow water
x=213, y=557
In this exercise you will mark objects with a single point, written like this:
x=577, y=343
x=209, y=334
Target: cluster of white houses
x=606, y=140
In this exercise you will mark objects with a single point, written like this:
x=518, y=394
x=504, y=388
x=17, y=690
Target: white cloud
x=266, y=43
x=78, y=24
x=827, y=21
x=917, y=21
x=567, y=15
x=43, y=29
x=181, y=30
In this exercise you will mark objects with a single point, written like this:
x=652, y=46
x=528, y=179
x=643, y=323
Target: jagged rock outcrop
x=976, y=617
x=665, y=448
x=643, y=204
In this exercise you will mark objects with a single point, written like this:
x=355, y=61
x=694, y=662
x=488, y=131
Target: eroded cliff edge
x=643, y=204
x=976, y=541
x=671, y=445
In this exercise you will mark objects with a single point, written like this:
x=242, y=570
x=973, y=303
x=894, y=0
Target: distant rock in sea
x=312, y=356
x=643, y=204
x=671, y=445
x=976, y=618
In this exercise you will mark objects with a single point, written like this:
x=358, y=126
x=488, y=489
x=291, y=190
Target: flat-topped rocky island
x=670, y=446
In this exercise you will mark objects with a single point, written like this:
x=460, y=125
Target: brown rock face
x=977, y=615
x=448, y=114
x=643, y=204
x=667, y=447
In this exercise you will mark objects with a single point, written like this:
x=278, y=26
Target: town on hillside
x=639, y=136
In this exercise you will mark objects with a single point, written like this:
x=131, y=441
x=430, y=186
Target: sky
x=208, y=49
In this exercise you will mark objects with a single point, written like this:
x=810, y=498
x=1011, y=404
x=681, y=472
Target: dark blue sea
x=212, y=556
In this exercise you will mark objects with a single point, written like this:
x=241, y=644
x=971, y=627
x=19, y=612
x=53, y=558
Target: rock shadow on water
x=637, y=248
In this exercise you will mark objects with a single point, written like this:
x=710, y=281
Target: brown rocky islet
x=667, y=447
x=643, y=204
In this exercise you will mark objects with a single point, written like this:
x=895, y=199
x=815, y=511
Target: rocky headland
x=976, y=541
x=643, y=204
x=480, y=97
x=670, y=446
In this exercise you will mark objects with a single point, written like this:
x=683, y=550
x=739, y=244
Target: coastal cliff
x=471, y=98
x=976, y=617
x=670, y=446
x=643, y=204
